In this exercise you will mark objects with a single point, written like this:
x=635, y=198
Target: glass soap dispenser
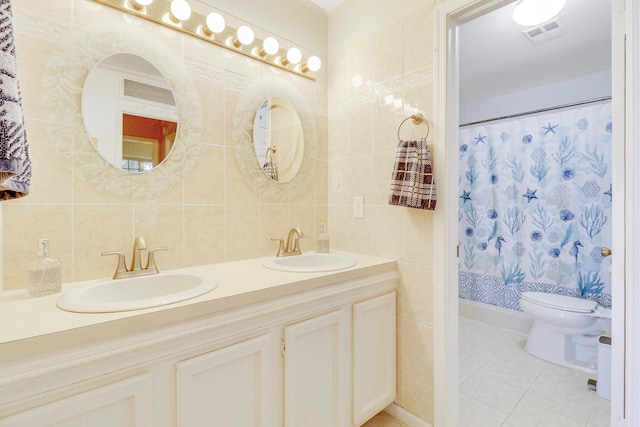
x=322, y=245
x=44, y=273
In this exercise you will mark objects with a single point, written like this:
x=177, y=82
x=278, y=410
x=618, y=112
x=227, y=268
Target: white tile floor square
x=501, y=385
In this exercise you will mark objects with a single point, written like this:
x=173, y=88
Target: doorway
x=449, y=16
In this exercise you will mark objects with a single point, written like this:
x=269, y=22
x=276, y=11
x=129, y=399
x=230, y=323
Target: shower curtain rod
x=541, y=110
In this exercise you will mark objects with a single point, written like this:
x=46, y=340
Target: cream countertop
x=29, y=324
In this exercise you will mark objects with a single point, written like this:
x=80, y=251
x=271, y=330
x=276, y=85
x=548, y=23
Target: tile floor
x=383, y=420
x=501, y=385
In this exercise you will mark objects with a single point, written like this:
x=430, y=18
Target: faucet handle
x=151, y=259
x=121, y=268
x=280, y=246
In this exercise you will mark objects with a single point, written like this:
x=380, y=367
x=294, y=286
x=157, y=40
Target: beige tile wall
x=394, y=65
x=211, y=216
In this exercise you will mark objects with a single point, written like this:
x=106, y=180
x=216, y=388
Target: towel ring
x=417, y=119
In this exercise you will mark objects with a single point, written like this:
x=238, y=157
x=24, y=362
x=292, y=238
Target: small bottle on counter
x=322, y=245
x=44, y=273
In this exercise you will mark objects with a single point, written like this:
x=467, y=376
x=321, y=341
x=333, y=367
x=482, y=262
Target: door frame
x=625, y=178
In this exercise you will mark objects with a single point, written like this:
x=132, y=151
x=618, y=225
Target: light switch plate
x=358, y=207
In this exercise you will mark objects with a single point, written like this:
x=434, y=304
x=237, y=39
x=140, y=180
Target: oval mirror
x=129, y=112
x=295, y=147
x=278, y=139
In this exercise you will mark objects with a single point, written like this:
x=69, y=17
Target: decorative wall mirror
x=62, y=99
x=278, y=139
x=275, y=139
x=129, y=112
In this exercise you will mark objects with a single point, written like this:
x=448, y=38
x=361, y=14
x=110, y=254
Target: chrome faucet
x=136, y=268
x=292, y=245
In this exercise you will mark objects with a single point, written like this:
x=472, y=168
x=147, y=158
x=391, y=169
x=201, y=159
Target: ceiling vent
x=546, y=31
x=148, y=92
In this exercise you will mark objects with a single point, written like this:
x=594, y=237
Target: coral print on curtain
x=535, y=206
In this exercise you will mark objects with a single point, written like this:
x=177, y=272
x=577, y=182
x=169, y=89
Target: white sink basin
x=310, y=262
x=136, y=293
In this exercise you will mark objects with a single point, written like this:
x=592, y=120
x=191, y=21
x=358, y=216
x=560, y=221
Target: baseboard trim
x=405, y=417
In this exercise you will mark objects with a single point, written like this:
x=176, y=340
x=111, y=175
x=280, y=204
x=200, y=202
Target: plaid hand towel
x=412, y=183
x=15, y=164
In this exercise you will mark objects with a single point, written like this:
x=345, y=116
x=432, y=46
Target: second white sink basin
x=310, y=262
x=136, y=293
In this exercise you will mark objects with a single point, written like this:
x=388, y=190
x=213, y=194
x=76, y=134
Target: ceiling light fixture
x=534, y=12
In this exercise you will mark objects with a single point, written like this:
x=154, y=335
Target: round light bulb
x=180, y=10
x=270, y=46
x=534, y=12
x=294, y=55
x=139, y=4
x=314, y=63
x=215, y=22
x=245, y=35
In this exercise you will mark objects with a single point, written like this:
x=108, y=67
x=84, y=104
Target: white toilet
x=565, y=329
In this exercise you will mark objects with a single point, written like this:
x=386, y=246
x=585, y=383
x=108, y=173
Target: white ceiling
x=326, y=4
x=496, y=59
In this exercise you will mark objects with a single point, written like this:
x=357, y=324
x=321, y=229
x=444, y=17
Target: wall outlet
x=358, y=207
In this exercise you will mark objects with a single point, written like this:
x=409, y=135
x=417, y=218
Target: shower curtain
x=535, y=206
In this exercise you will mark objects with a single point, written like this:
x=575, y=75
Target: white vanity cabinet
x=322, y=356
x=232, y=386
x=317, y=361
x=374, y=356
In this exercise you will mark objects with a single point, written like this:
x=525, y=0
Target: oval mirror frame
x=248, y=104
x=62, y=83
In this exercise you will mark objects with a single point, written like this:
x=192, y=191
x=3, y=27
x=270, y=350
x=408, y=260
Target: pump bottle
x=322, y=245
x=44, y=273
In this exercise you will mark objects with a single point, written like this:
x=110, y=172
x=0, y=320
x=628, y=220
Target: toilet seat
x=560, y=302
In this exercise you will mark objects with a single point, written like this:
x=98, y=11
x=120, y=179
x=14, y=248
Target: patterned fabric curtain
x=535, y=206
x=15, y=163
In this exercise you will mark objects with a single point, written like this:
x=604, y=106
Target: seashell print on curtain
x=535, y=206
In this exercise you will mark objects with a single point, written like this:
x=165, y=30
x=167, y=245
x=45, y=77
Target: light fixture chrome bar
x=159, y=12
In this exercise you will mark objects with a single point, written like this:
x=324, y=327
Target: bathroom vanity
x=264, y=348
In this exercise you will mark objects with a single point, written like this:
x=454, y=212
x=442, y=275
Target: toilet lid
x=561, y=302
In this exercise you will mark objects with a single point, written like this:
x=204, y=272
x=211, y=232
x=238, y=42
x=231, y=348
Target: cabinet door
x=317, y=371
x=231, y=386
x=125, y=403
x=374, y=356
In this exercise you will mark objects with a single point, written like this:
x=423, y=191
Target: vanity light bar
x=177, y=14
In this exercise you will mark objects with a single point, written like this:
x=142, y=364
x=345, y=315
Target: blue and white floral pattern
x=535, y=206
